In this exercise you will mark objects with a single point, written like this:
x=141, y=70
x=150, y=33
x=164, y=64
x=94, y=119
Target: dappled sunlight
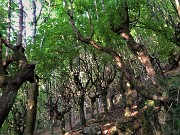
x=125, y=35
x=155, y=97
x=30, y=105
x=107, y=124
x=127, y=112
x=107, y=127
x=150, y=102
x=134, y=113
x=145, y=60
x=134, y=107
x=118, y=61
x=128, y=84
x=100, y=67
x=131, y=112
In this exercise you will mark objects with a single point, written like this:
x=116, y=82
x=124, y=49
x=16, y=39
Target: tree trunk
x=20, y=31
x=70, y=119
x=81, y=111
x=104, y=100
x=34, y=21
x=31, y=109
x=138, y=50
x=63, y=131
x=10, y=84
x=98, y=104
x=92, y=108
x=10, y=89
x=6, y=102
x=9, y=25
x=128, y=99
x=33, y=92
x=178, y=6
x=111, y=102
x=17, y=120
x=136, y=84
x=122, y=90
x=141, y=53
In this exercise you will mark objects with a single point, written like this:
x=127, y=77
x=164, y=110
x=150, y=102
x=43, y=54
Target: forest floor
x=106, y=123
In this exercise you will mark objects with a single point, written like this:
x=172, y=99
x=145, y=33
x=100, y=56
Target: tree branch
x=9, y=60
x=7, y=44
x=127, y=72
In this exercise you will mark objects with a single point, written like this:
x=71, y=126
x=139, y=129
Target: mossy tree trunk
x=81, y=111
x=33, y=92
x=10, y=84
x=31, y=108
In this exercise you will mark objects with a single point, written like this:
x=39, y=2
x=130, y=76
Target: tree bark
x=104, y=100
x=10, y=84
x=138, y=50
x=70, y=119
x=122, y=90
x=10, y=88
x=31, y=108
x=81, y=111
x=178, y=7
x=33, y=92
x=63, y=131
x=92, y=108
x=128, y=99
x=111, y=102
x=34, y=21
x=136, y=84
x=9, y=25
x=20, y=31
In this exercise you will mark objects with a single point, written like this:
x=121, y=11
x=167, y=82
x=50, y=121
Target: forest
x=89, y=67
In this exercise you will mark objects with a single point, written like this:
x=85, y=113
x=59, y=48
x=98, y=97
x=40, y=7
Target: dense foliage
x=74, y=73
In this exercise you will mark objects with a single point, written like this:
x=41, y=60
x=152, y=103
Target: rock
x=93, y=129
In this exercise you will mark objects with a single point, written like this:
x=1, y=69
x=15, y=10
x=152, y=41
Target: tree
x=127, y=72
x=11, y=84
x=61, y=105
x=178, y=7
x=81, y=82
x=32, y=95
x=141, y=37
x=103, y=78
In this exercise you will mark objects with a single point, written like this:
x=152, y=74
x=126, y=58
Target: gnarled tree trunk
x=10, y=87
x=10, y=84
